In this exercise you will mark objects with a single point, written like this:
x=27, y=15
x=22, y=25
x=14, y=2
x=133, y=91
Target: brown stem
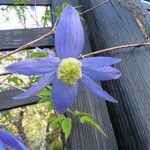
x=138, y=45
x=4, y=74
x=94, y=7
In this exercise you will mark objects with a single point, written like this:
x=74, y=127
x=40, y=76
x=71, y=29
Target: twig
x=97, y=5
x=7, y=78
x=138, y=45
x=4, y=74
x=81, y=56
x=30, y=43
x=13, y=86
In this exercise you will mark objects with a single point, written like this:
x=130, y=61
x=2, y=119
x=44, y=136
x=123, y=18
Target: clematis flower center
x=69, y=71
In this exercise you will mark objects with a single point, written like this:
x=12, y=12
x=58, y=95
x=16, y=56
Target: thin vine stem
x=94, y=7
x=13, y=86
x=138, y=45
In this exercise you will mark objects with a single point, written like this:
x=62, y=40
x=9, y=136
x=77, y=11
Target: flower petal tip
x=69, y=7
x=118, y=75
x=118, y=60
x=16, y=98
x=115, y=101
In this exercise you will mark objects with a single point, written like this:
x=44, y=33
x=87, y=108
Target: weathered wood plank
x=12, y=39
x=31, y=2
x=113, y=25
x=140, y=13
x=6, y=101
x=84, y=137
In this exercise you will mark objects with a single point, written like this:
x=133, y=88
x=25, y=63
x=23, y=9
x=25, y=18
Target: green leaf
x=55, y=13
x=21, y=1
x=79, y=113
x=59, y=9
x=56, y=120
x=88, y=120
x=66, y=127
x=39, y=54
x=64, y=5
x=46, y=95
x=17, y=81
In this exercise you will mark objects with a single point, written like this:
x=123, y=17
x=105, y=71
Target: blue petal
x=69, y=37
x=4, y=52
x=33, y=8
x=45, y=81
x=35, y=66
x=96, y=89
x=63, y=95
x=102, y=73
x=96, y=62
x=11, y=141
x=2, y=146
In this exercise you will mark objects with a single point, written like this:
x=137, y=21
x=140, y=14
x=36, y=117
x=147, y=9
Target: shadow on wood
x=7, y=101
x=113, y=25
x=12, y=39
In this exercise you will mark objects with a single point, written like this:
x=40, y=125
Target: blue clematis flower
x=66, y=71
x=8, y=140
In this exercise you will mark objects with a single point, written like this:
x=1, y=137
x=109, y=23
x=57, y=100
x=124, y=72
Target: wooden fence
x=127, y=123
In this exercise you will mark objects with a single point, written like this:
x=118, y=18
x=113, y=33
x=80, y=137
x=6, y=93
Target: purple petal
x=102, y=73
x=51, y=53
x=2, y=146
x=46, y=50
x=63, y=95
x=8, y=51
x=11, y=141
x=3, y=125
x=69, y=37
x=96, y=62
x=96, y=89
x=4, y=52
x=33, y=8
x=37, y=49
x=45, y=81
x=35, y=66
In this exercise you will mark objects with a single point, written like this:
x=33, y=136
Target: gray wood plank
x=6, y=101
x=31, y=2
x=84, y=137
x=113, y=25
x=12, y=39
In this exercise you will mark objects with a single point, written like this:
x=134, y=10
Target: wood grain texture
x=12, y=39
x=139, y=12
x=6, y=101
x=31, y=2
x=113, y=25
x=84, y=137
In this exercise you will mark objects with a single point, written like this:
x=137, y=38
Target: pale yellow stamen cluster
x=69, y=71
